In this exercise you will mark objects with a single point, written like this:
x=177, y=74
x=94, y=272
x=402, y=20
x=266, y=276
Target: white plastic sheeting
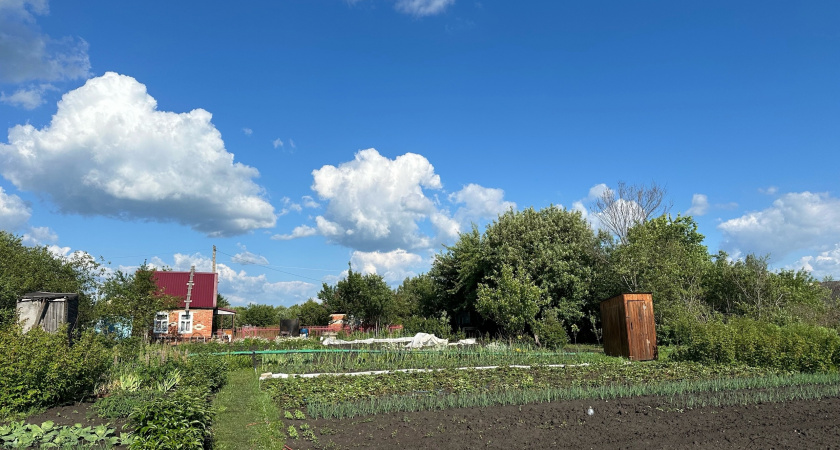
x=419, y=340
x=268, y=375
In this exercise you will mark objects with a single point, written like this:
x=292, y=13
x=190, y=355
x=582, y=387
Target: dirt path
x=619, y=424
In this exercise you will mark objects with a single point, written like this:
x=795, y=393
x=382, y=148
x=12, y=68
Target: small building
x=193, y=316
x=629, y=326
x=49, y=310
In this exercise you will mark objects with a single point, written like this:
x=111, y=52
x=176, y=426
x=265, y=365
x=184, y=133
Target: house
x=193, y=316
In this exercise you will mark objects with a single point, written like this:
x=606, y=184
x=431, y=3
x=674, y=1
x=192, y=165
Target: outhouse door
x=639, y=318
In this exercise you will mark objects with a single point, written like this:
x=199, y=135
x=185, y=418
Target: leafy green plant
x=47, y=435
x=293, y=432
x=180, y=419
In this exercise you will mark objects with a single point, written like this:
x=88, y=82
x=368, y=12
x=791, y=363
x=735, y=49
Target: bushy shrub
x=41, y=368
x=439, y=326
x=120, y=404
x=207, y=371
x=796, y=347
x=551, y=333
x=180, y=419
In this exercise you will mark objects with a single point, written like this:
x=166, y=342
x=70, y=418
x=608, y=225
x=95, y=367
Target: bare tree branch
x=620, y=210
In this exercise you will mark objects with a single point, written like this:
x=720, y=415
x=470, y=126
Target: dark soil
x=617, y=424
x=74, y=413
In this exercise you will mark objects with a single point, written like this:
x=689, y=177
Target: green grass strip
x=726, y=391
x=248, y=418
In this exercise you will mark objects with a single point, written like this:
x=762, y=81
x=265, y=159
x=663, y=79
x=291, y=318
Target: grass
x=248, y=418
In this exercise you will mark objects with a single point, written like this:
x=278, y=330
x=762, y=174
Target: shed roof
x=203, y=293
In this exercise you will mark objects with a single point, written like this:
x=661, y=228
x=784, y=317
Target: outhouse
x=48, y=310
x=629, y=328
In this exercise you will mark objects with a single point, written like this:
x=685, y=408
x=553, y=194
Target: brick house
x=193, y=317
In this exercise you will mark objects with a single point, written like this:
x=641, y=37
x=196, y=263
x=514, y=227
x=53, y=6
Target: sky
x=300, y=136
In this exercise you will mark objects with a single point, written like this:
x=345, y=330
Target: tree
x=622, y=209
x=366, y=298
x=132, y=300
x=511, y=300
x=28, y=269
x=665, y=256
x=313, y=313
x=414, y=295
x=259, y=315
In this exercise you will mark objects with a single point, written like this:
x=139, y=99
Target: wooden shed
x=49, y=310
x=629, y=328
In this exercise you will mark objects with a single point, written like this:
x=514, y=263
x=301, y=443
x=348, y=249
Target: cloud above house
x=699, y=205
x=795, y=221
x=821, y=265
x=239, y=287
x=14, y=212
x=109, y=152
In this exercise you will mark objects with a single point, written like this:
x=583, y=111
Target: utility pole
x=189, y=289
x=214, y=259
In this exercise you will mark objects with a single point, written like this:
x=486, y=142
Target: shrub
x=180, y=419
x=206, y=370
x=121, y=403
x=797, y=347
x=551, y=333
x=439, y=326
x=41, y=369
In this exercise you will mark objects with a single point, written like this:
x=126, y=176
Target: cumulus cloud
x=824, y=264
x=699, y=205
x=14, y=212
x=27, y=98
x=289, y=205
x=38, y=236
x=595, y=192
x=393, y=266
x=374, y=202
x=26, y=54
x=309, y=202
x=108, y=151
x=277, y=143
x=246, y=257
x=795, y=221
x=239, y=287
x=480, y=203
x=422, y=8
x=298, y=232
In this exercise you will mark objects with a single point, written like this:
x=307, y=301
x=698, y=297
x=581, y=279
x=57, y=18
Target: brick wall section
x=202, y=325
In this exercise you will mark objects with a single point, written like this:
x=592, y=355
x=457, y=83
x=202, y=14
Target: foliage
x=28, y=269
x=313, y=313
x=121, y=403
x=131, y=300
x=551, y=333
x=439, y=326
x=666, y=257
x=794, y=347
x=42, y=369
x=413, y=296
x=48, y=435
x=258, y=315
x=179, y=420
x=365, y=298
x=513, y=302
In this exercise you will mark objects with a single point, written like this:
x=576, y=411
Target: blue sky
x=298, y=136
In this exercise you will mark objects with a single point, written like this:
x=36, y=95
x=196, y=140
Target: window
x=161, y=322
x=185, y=322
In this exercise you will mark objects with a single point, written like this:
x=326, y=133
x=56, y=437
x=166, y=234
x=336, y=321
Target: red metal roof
x=203, y=293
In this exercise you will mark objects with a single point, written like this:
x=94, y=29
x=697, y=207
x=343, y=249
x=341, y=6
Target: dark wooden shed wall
x=629, y=326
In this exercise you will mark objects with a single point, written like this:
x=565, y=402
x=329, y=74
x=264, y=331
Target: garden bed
x=642, y=422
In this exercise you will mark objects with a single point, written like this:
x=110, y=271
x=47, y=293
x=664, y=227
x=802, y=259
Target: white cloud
x=825, y=264
x=771, y=190
x=247, y=131
x=309, y=202
x=292, y=143
x=108, y=151
x=796, y=221
x=393, y=266
x=289, y=205
x=595, y=192
x=239, y=287
x=374, y=202
x=14, y=212
x=26, y=54
x=277, y=143
x=245, y=257
x=38, y=236
x=423, y=7
x=699, y=205
x=27, y=98
x=480, y=203
x=298, y=232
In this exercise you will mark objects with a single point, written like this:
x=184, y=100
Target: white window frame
x=185, y=320
x=162, y=322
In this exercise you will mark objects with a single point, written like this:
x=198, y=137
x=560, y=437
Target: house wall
x=202, y=325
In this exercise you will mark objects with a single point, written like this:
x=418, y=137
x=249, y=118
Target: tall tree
x=511, y=300
x=27, y=269
x=132, y=300
x=629, y=205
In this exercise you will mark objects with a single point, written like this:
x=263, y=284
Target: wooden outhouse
x=48, y=310
x=629, y=328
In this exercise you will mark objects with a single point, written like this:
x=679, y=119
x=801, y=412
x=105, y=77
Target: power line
x=274, y=268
